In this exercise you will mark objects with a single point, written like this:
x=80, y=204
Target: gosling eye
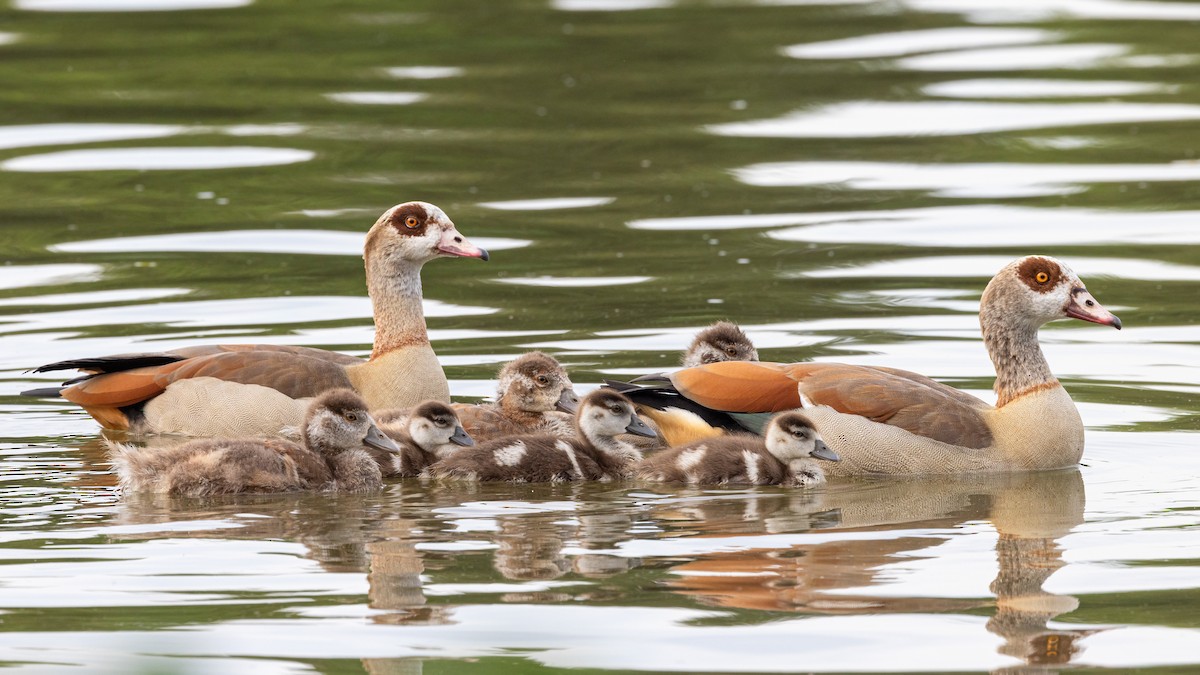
x=616, y=410
x=542, y=380
x=731, y=351
x=350, y=417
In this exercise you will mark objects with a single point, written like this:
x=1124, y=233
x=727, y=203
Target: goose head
x=417, y=232
x=722, y=341
x=434, y=427
x=1036, y=290
x=791, y=436
x=338, y=421
x=606, y=414
x=536, y=383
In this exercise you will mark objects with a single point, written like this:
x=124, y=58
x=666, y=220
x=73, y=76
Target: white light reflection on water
x=93, y=297
x=1041, y=88
x=572, y=282
x=548, y=204
x=24, y=276
x=156, y=159
x=378, y=97
x=423, y=72
x=1041, y=57
x=962, y=179
x=609, y=5
x=881, y=45
x=1001, y=11
x=870, y=119
x=310, y=242
x=984, y=266
x=32, y=135
x=9, y=38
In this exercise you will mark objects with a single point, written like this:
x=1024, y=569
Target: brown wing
x=293, y=374
x=484, y=422
x=907, y=400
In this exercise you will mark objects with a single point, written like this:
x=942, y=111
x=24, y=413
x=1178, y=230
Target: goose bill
x=639, y=428
x=454, y=244
x=461, y=437
x=376, y=439
x=826, y=453
x=1084, y=307
x=568, y=402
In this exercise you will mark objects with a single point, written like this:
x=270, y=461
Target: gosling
x=594, y=454
x=332, y=458
x=786, y=456
x=431, y=432
x=722, y=341
x=534, y=395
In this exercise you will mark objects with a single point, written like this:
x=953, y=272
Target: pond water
x=839, y=176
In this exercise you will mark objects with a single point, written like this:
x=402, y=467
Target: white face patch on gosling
x=427, y=435
x=510, y=455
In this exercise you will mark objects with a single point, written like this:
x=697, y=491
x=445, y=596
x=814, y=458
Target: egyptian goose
x=239, y=390
x=595, y=454
x=888, y=421
x=722, y=341
x=785, y=456
x=534, y=396
x=332, y=458
x=428, y=433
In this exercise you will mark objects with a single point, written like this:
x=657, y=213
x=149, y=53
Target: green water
x=181, y=177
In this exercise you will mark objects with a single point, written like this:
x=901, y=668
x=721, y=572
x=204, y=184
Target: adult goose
x=246, y=389
x=337, y=433
x=887, y=421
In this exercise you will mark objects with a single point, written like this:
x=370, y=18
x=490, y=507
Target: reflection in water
x=867, y=119
x=963, y=180
x=1000, y=11
x=1040, y=57
x=378, y=97
x=423, y=72
x=307, y=242
x=1030, y=513
x=548, y=204
x=973, y=266
x=156, y=159
x=125, y=5
x=31, y=135
x=915, y=42
x=21, y=276
x=1039, y=88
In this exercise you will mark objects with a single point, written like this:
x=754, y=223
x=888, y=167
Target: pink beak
x=454, y=244
x=1084, y=307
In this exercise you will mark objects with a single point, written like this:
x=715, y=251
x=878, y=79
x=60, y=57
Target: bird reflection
x=1030, y=513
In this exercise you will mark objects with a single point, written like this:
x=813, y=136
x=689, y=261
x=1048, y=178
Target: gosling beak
x=376, y=439
x=1084, y=307
x=568, y=402
x=454, y=244
x=461, y=437
x=824, y=452
x=639, y=428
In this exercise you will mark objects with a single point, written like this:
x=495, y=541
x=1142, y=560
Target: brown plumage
x=884, y=420
x=430, y=432
x=785, y=456
x=722, y=341
x=595, y=454
x=207, y=390
x=534, y=395
x=332, y=458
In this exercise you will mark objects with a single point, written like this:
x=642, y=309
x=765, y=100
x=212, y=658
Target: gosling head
x=792, y=436
x=536, y=382
x=722, y=341
x=338, y=421
x=605, y=414
x=434, y=426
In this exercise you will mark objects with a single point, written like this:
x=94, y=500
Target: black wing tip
x=110, y=364
x=653, y=378
x=44, y=392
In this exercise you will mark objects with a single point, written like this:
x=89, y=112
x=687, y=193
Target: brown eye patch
x=410, y=219
x=1040, y=274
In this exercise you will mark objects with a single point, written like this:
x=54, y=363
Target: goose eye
x=411, y=222
x=1042, y=277
x=351, y=417
x=542, y=380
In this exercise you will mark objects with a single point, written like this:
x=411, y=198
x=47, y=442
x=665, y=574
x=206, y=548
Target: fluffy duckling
x=332, y=458
x=722, y=341
x=786, y=456
x=534, y=395
x=595, y=454
x=429, y=433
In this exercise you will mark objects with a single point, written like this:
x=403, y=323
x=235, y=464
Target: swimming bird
x=247, y=389
x=534, y=395
x=888, y=421
x=428, y=433
x=722, y=341
x=595, y=454
x=332, y=457
x=786, y=455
